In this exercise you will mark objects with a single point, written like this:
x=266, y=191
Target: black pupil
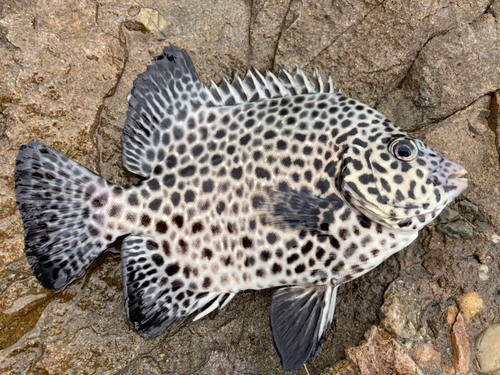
x=404, y=151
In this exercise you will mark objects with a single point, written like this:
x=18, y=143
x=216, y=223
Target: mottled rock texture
x=432, y=66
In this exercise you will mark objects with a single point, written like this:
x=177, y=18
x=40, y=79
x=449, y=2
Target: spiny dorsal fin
x=255, y=87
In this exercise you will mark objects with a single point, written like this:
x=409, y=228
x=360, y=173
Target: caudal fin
x=63, y=207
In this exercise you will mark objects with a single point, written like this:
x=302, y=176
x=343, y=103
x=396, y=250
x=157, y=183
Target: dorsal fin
x=166, y=98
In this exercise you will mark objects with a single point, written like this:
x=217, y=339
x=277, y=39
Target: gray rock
x=401, y=309
x=426, y=95
x=462, y=219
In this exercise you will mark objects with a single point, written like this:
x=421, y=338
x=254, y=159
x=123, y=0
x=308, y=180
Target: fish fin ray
x=219, y=301
x=56, y=199
x=299, y=320
x=317, y=81
x=168, y=95
x=149, y=296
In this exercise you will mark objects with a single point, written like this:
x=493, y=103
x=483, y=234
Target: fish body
x=273, y=181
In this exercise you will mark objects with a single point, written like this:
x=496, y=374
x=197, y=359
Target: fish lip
x=457, y=179
x=426, y=213
x=459, y=175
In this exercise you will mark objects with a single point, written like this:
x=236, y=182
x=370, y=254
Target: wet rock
x=462, y=219
x=418, y=93
x=488, y=349
x=470, y=305
x=401, y=309
x=426, y=356
x=380, y=354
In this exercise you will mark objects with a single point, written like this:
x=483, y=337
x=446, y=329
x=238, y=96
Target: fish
x=271, y=181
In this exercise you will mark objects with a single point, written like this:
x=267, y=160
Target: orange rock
x=459, y=342
x=471, y=304
x=380, y=354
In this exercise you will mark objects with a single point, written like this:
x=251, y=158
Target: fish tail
x=63, y=207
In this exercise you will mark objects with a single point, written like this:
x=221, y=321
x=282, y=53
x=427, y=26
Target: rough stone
x=401, y=309
x=462, y=219
x=488, y=349
x=425, y=96
x=471, y=304
x=459, y=342
x=426, y=356
x=379, y=354
x=483, y=272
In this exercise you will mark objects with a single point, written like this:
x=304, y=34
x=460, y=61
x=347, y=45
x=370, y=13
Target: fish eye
x=403, y=149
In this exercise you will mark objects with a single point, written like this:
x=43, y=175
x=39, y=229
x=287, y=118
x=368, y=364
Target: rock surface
x=432, y=66
x=459, y=342
x=426, y=356
x=488, y=349
x=378, y=354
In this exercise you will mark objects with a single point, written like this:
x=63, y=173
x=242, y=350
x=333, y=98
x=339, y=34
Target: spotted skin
x=273, y=181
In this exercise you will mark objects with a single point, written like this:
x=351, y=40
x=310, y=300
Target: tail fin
x=63, y=206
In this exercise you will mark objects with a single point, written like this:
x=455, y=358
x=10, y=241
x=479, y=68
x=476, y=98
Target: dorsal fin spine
x=234, y=93
x=287, y=80
x=319, y=81
x=240, y=88
x=257, y=85
x=278, y=87
x=216, y=94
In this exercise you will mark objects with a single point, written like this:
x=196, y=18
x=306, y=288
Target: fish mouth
x=458, y=175
x=457, y=182
x=422, y=218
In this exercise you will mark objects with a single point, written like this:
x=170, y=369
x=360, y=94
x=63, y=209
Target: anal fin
x=157, y=291
x=299, y=320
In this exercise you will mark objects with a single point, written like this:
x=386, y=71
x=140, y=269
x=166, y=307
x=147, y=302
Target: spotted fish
x=268, y=181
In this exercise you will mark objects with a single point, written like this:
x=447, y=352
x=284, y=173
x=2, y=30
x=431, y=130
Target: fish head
x=399, y=181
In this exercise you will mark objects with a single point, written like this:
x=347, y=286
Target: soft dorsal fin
x=163, y=96
x=167, y=97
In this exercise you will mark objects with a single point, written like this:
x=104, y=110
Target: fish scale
x=268, y=181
